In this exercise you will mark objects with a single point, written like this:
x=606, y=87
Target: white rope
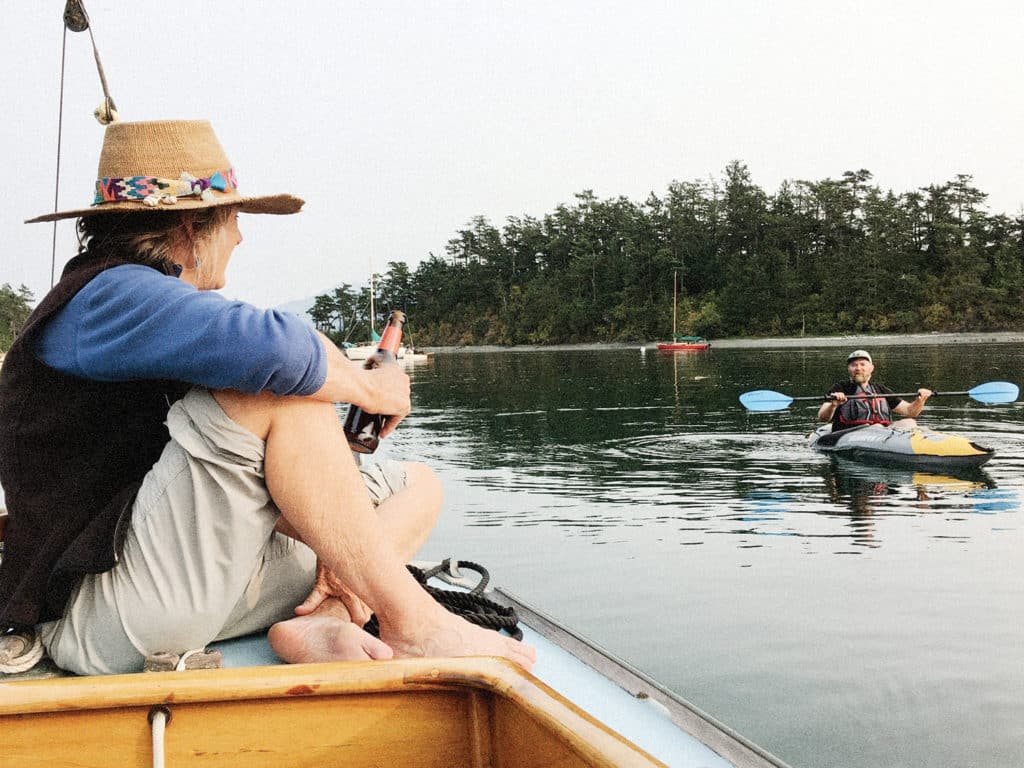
x=158, y=724
x=180, y=666
x=19, y=652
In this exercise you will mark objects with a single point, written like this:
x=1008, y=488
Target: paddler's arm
x=914, y=407
x=829, y=407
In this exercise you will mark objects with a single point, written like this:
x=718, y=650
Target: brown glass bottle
x=362, y=429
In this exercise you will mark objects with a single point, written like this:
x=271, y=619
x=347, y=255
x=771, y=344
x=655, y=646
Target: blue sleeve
x=132, y=322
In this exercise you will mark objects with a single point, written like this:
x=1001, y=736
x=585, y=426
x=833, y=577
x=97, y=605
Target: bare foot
x=445, y=634
x=327, y=634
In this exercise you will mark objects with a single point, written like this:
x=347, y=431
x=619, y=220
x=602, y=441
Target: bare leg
x=315, y=483
x=406, y=518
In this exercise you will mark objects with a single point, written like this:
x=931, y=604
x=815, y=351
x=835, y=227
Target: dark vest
x=72, y=455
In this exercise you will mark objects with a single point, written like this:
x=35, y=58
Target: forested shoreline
x=829, y=257
x=825, y=258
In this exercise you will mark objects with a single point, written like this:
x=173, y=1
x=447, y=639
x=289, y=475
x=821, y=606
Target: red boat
x=681, y=343
x=685, y=344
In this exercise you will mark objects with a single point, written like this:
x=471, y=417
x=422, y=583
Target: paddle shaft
x=872, y=397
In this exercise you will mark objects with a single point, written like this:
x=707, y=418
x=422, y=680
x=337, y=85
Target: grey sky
x=398, y=122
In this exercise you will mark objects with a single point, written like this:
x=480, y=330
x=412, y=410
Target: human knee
x=426, y=483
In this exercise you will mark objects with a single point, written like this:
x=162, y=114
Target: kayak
x=917, y=447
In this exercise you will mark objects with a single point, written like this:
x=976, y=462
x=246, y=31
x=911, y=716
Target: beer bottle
x=362, y=429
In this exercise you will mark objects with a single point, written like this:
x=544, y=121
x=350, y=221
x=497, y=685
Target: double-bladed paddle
x=990, y=392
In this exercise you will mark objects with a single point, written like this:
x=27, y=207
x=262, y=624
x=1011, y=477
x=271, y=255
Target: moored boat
x=917, y=447
x=685, y=344
x=363, y=351
x=681, y=343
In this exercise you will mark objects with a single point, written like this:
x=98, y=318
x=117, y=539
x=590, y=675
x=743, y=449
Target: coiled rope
x=472, y=605
x=19, y=651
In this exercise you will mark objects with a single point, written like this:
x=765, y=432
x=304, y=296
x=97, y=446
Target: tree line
x=827, y=257
x=837, y=256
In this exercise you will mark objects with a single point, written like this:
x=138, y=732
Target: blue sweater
x=132, y=322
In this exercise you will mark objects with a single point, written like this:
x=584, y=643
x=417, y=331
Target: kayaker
x=873, y=404
x=165, y=451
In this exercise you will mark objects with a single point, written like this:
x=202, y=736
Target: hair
x=148, y=237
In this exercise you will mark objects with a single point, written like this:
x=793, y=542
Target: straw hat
x=171, y=165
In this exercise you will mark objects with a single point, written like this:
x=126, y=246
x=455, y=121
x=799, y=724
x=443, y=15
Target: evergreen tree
x=15, y=308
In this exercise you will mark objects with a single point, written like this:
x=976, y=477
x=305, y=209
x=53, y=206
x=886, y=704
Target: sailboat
x=681, y=343
x=363, y=351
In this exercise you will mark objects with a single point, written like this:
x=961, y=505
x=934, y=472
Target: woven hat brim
x=280, y=205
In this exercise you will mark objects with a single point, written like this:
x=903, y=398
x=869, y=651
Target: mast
x=675, y=280
x=372, y=330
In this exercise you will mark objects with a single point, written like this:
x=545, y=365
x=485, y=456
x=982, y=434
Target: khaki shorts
x=201, y=560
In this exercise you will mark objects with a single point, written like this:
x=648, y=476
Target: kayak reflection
x=866, y=487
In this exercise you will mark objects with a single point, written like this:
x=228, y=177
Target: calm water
x=838, y=615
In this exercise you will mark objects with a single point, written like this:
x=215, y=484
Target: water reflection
x=868, y=491
x=866, y=488
x=603, y=444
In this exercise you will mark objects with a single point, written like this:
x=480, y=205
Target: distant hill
x=298, y=307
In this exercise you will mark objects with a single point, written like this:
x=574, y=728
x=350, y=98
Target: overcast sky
x=399, y=121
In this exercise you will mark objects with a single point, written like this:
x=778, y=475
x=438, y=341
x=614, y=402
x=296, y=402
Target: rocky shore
x=912, y=339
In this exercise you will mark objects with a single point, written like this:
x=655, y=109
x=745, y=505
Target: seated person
x=856, y=401
x=174, y=467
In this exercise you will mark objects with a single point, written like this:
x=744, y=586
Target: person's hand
x=327, y=586
x=838, y=398
x=391, y=394
x=923, y=394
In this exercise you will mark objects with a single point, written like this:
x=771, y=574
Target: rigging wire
x=60, y=125
x=77, y=20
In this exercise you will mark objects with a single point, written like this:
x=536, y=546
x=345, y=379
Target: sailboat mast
x=372, y=329
x=675, y=281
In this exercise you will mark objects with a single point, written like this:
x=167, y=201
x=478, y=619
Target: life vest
x=859, y=410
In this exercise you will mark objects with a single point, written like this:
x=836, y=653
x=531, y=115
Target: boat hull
x=680, y=347
x=363, y=351
x=917, y=448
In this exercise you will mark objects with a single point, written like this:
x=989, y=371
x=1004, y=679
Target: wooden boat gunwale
x=567, y=723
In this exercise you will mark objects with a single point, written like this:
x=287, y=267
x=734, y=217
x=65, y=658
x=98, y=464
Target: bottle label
x=391, y=340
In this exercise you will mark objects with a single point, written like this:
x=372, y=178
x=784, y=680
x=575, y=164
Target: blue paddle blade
x=995, y=392
x=765, y=400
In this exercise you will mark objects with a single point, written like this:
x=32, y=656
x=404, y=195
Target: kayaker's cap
x=859, y=354
x=168, y=165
